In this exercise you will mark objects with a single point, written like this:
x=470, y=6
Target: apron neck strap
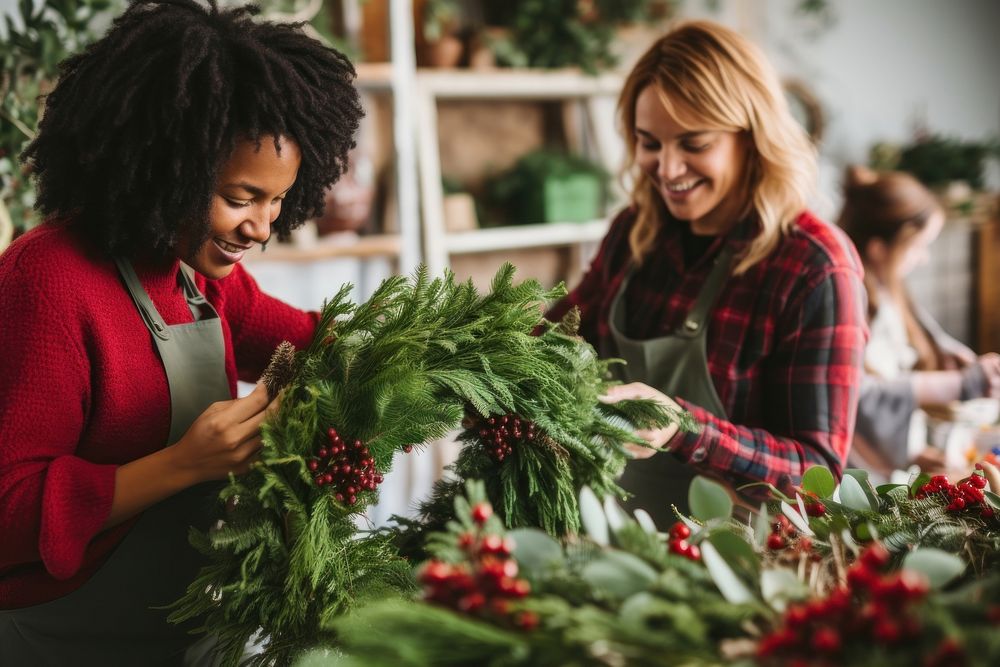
x=150, y=316
x=709, y=294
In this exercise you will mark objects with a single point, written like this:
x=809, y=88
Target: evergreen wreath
x=415, y=361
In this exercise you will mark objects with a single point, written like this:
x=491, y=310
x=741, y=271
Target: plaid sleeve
x=809, y=391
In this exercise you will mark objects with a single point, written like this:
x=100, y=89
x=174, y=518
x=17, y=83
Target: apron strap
x=709, y=295
x=201, y=309
x=150, y=316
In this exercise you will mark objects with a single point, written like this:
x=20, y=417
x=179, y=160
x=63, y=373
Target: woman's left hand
x=657, y=438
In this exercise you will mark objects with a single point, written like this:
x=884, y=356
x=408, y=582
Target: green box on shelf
x=548, y=186
x=575, y=197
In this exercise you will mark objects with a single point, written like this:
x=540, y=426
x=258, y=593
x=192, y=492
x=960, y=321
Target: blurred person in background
x=910, y=361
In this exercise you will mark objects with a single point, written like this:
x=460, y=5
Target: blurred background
x=491, y=136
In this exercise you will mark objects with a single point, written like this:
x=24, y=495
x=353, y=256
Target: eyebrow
x=683, y=135
x=253, y=189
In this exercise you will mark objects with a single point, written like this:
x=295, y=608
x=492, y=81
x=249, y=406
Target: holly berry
x=346, y=466
x=500, y=434
x=481, y=512
x=775, y=541
x=680, y=531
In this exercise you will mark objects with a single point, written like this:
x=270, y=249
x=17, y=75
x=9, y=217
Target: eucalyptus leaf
x=761, y=526
x=853, y=496
x=819, y=480
x=737, y=551
x=779, y=585
x=645, y=521
x=864, y=481
x=940, y=567
x=592, y=516
x=535, y=551
x=614, y=514
x=709, y=500
x=798, y=520
x=619, y=574
x=993, y=499
x=730, y=585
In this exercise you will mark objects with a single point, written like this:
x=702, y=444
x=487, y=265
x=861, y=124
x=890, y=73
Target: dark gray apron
x=111, y=619
x=677, y=365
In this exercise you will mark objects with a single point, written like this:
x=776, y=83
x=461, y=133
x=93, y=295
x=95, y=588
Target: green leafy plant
x=937, y=160
x=34, y=43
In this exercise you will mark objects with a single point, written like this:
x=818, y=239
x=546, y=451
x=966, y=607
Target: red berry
x=680, y=531
x=693, y=552
x=826, y=640
x=679, y=547
x=323, y=452
x=876, y=556
x=481, y=512
x=331, y=433
x=775, y=541
x=815, y=509
x=492, y=544
x=407, y=448
x=886, y=631
x=313, y=465
x=472, y=602
x=527, y=620
x=466, y=540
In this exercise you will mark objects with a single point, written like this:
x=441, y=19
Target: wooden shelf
x=374, y=76
x=526, y=236
x=346, y=245
x=516, y=83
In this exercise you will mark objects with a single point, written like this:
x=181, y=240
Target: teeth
x=681, y=187
x=229, y=247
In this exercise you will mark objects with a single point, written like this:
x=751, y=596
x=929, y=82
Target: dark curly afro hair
x=139, y=124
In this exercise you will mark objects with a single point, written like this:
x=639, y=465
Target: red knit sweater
x=82, y=391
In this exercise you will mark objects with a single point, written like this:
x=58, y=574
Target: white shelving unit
x=435, y=85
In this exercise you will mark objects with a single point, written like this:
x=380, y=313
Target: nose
x=257, y=225
x=671, y=164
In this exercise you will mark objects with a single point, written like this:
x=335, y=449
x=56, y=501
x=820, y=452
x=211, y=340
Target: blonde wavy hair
x=711, y=78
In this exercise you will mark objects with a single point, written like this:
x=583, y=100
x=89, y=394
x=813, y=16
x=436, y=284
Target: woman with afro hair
x=167, y=150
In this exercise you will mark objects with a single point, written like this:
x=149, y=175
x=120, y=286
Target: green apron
x=677, y=365
x=111, y=620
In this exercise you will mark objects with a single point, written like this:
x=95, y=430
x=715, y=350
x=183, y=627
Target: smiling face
x=698, y=171
x=246, y=200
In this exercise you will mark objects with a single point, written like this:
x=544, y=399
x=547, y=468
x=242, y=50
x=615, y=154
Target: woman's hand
x=224, y=439
x=657, y=438
x=990, y=363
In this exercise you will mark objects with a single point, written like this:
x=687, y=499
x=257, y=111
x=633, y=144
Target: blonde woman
x=717, y=286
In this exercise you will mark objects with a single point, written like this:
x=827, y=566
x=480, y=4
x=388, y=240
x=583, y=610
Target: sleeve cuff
x=75, y=504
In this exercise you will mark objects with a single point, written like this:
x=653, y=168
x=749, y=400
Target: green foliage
x=937, y=160
x=404, y=368
x=629, y=603
x=34, y=43
x=564, y=33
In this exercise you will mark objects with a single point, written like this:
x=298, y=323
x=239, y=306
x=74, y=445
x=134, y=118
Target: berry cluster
x=786, y=540
x=348, y=468
x=486, y=582
x=876, y=607
x=679, y=532
x=499, y=434
x=966, y=495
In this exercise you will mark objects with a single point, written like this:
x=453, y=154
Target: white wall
x=884, y=65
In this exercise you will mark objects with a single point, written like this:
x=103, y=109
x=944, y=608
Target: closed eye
x=238, y=203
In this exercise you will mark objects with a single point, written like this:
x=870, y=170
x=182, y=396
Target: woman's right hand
x=224, y=439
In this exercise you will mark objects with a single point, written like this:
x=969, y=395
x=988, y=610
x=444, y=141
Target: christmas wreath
x=420, y=358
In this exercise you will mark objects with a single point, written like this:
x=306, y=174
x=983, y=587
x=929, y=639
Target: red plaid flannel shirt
x=785, y=344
